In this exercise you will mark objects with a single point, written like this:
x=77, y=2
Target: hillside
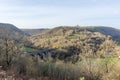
x=74, y=41
x=66, y=35
x=114, y=33
x=34, y=31
x=11, y=31
x=62, y=53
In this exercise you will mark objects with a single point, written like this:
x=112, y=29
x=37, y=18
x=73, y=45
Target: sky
x=52, y=13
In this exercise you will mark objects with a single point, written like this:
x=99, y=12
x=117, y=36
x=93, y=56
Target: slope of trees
x=76, y=55
x=12, y=31
x=8, y=51
x=72, y=43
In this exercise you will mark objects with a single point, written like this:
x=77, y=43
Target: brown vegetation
x=76, y=55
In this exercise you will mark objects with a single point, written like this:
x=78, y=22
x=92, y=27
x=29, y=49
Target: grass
x=28, y=49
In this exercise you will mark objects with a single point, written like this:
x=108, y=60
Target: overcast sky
x=52, y=13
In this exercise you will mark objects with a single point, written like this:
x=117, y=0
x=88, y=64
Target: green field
x=29, y=49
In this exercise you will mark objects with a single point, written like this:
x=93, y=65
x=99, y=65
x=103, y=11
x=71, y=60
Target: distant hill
x=69, y=41
x=12, y=31
x=64, y=36
x=34, y=31
x=17, y=34
x=114, y=33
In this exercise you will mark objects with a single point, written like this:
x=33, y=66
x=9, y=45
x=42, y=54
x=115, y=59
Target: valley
x=61, y=53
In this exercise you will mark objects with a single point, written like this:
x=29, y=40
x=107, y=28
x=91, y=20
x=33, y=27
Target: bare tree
x=8, y=50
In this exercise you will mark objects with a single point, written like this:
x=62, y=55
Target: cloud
x=46, y=14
